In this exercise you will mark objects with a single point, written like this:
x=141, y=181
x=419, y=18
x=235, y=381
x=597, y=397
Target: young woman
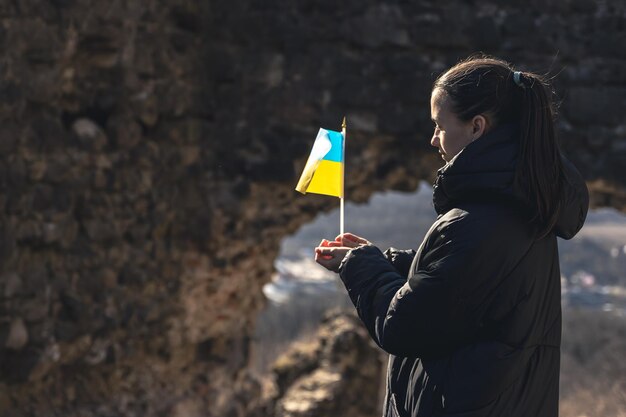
x=472, y=319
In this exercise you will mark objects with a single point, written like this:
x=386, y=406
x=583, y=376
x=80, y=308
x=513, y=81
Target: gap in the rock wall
x=301, y=292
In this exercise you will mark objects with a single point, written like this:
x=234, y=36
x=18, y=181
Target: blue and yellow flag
x=323, y=171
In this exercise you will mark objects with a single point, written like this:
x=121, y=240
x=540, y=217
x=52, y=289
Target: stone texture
x=338, y=373
x=149, y=150
x=18, y=335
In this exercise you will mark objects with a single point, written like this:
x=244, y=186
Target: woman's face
x=451, y=134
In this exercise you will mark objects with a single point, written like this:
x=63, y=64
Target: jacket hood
x=574, y=202
x=484, y=171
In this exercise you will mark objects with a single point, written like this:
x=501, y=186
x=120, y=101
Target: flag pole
x=343, y=167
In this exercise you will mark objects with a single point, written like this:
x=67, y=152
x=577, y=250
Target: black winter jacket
x=472, y=320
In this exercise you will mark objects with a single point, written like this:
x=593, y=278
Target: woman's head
x=482, y=93
x=452, y=133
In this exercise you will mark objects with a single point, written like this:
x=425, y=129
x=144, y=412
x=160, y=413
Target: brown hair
x=487, y=86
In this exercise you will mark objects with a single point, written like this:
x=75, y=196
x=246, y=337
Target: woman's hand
x=330, y=254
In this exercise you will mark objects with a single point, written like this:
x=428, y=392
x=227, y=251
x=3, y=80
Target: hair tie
x=517, y=77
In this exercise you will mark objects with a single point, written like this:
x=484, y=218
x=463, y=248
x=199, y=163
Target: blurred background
x=155, y=259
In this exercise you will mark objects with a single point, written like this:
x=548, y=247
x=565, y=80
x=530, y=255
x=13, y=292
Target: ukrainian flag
x=323, y=173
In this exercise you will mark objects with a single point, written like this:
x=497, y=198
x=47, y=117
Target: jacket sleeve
x=440, y=306
x=400, y=259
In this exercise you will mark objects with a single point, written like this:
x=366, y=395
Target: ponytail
x=539, y=169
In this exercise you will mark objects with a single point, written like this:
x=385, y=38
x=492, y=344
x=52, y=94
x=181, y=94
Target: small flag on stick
x=323, y=170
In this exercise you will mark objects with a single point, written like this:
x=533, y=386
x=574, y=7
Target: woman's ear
x=480, y=125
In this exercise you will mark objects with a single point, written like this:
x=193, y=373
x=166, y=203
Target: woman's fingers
x=330, y=257
x=324, y=258
x=319, y=256
x=328, y=244
x=351, y=240
x=330, y=251
x=330, y=254
x=326, y=261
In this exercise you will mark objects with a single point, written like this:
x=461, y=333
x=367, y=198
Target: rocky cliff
x=149, y=150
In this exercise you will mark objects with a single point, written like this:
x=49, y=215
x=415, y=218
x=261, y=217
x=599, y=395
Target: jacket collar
x=483, y=171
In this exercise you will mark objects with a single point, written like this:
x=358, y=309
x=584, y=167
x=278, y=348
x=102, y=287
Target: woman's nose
x=434, y=141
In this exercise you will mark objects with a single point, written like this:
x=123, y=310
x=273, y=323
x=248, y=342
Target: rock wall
x=149, y=150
